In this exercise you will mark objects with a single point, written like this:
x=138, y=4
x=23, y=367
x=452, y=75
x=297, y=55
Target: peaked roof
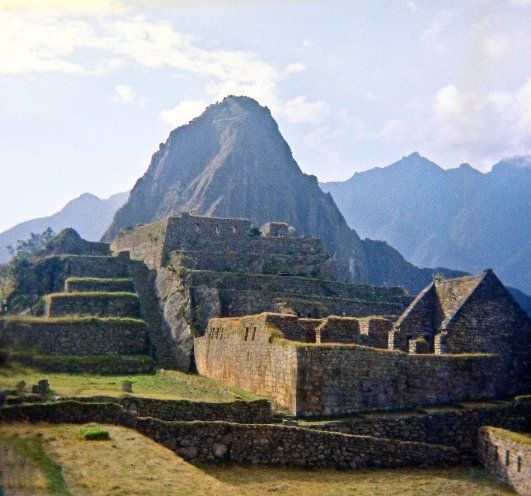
x=450, y=294
x=453, y=293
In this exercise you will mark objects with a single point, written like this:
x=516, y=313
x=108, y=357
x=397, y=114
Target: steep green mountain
x=87, y=214
x=232, y=161
x=459, y=218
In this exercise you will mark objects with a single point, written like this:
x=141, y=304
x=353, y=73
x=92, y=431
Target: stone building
x=472, y=314
x=460, y=339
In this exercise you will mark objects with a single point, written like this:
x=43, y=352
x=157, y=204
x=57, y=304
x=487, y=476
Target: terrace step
x=96, y=304
x=96, y=284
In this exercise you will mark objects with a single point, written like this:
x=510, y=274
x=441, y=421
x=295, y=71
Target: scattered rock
x=20, y=385
x=42, y=388
x=188, y=453
x=127, y=387
x=219, y=450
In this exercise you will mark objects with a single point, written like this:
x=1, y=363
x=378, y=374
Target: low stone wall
x=102, y=364
x=296, y=285
x=506, y=458
x=247, y=302
x=83, y=336
x=455, y=426
x=97, y=304
x=91, y=284
x=257, y=263
x=74, y=412
x=50, y=273
x=243, y=412
x=280, y=445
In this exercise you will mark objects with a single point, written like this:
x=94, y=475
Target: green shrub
x=94, y=434
x=253, y=232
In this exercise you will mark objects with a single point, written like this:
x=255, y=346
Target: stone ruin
x=262, y=309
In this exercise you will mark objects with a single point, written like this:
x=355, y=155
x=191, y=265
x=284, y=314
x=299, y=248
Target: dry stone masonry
x=506, y=457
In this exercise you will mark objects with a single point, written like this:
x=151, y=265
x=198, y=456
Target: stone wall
x=456, y=426
x=243, y=412
x=336, y=379
x=91, y=284
x=236, y=303
x=260, y=262
x=279, y=445
x=506, y=458
x=245, y=443
x=145, y=242
x=74, y=336
x=239, y=352
x=297, y=286
x=49, y=274
x=74, y=412
x=97, y=304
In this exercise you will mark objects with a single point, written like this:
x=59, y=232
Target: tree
x=29, y=247
x=14, y=273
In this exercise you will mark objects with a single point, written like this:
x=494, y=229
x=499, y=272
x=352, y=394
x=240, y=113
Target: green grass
x=74, y=318
x=31, y=447
x=513, y=436
x=84, y=294
x=94, y=434
x=100, y=279
x=144, y=385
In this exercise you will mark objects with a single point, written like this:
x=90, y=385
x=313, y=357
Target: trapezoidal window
x=254, y=333
x=246, y=333
x=234, y=230
x=197, y=227
x=217, y=229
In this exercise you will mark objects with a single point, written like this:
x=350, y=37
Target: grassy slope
x=153, y=386
x=131, y=464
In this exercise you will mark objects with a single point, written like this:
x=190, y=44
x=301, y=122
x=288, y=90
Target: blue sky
x=90, y=88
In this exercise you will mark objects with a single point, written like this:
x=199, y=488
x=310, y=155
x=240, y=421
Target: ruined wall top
x=194, y=234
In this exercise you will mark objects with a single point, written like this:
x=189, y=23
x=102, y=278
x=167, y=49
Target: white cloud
x=299, y=110
x=412, y=6
x=432, y=36
x=307, y=42
x=478, y=129
x=37, y=42
x=294, y=68
x=124, y=94
x=76, y=6
x=183, y=113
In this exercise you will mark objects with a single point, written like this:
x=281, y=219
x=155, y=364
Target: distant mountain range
x=459, y=218
x=87, y=214
x=232, y=161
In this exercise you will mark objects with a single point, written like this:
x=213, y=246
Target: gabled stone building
x=472, y=314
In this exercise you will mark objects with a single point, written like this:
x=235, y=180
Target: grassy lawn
x=131, y=464
x=177, y=386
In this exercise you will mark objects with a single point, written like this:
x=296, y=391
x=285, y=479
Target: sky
x=88, y=89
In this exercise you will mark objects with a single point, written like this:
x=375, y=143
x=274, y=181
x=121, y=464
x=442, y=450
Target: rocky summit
x=232, y=161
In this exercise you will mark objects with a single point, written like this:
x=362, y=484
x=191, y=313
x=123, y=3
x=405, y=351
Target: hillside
x=459, y=218
x=87, y=214
x=232, y=161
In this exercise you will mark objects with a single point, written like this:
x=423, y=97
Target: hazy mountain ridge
x=232, y=161
x=87, y=214
x=458, y=218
